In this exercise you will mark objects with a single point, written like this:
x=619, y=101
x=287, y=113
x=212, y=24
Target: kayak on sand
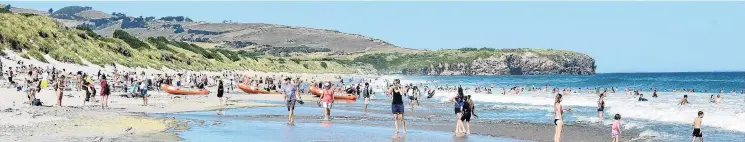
x=253, y=90
x=176, y=91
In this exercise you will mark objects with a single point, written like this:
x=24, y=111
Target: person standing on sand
x=143, y=90
x=220, y=90
x=327, y=98
x=558, y=120
x=10, y=77
x=697, y=127
x=86, y=89
x=291, y=98
x=397, y=106
x=616, y=128
x=105, y=91
x=60, y=88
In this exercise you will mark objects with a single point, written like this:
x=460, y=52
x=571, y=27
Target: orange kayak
x=253, y=90
x=176, y=91
x=317, y=91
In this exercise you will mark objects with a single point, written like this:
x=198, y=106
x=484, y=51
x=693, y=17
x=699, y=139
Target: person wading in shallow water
x=459, y=101
x=697, y=134
x=397, y=106
x=291, y=98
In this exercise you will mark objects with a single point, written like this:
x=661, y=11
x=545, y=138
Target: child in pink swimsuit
x=616, y=128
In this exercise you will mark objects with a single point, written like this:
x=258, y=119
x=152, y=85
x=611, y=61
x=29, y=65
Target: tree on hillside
x=51, y=11
x=7, y=7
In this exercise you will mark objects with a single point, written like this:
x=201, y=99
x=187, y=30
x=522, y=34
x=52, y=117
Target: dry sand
x=124, y=120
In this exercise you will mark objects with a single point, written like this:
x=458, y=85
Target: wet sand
x=418, y=121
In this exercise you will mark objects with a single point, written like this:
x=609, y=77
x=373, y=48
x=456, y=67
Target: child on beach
x=697, y=127
x=616, y=128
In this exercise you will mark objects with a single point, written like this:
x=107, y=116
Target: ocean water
x=659, y=119
x=665, y=82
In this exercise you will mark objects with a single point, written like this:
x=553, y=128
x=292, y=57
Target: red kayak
x=183, y=91
x=253, y=90
x=316, y=91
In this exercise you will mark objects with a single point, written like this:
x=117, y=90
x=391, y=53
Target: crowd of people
x=33, y=80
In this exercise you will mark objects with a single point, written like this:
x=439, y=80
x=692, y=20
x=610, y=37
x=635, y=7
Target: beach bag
x=36, y=102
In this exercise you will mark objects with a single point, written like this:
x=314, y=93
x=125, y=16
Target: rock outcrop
x=525, y=63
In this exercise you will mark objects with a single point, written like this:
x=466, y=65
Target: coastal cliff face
x=525, y=63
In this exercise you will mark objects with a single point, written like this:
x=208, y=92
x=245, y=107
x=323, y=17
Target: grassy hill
x=34, y=36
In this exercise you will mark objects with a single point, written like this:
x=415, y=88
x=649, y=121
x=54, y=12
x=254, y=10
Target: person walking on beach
x=459, y=101
x=366, y=94
x=143, y=90
x=291, y=98
x=397, y=106
x=616, y=128
x=697, y=127
x=468, y=110
x=559, y=113
x=327, y=99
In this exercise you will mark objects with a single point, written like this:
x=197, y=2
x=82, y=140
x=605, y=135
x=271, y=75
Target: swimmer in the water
x=712, y=99
x=684, y=101
x=719, y=99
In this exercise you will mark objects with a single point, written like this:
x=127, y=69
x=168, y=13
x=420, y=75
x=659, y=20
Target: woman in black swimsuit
x=559, y=115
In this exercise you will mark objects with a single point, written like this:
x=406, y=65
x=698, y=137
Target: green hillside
x=35, y=36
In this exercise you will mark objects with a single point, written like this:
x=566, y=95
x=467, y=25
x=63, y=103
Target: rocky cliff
x=522, y=62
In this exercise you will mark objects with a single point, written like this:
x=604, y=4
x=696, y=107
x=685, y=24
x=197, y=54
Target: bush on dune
x=131, y=40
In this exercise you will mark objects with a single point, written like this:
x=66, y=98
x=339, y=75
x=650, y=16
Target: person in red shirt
x=327, y=98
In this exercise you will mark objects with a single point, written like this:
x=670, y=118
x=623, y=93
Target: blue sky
x=621, y=36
